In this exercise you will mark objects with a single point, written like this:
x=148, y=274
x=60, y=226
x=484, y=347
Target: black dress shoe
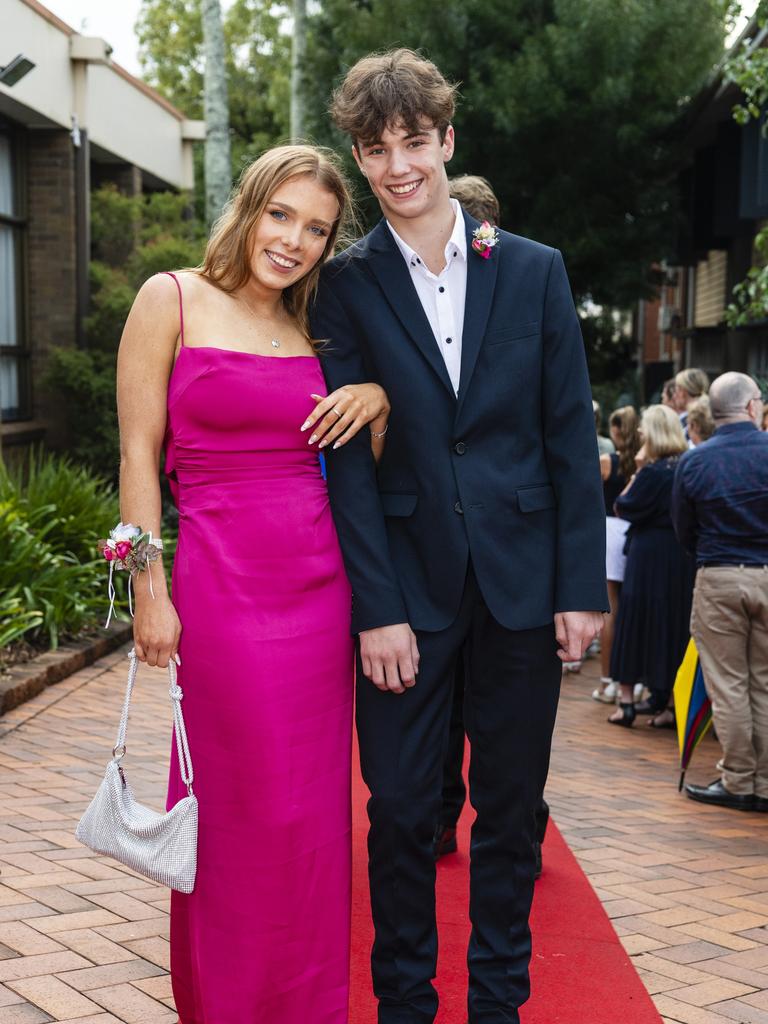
x=444, y=841
x=716, y=793
x=761, y=804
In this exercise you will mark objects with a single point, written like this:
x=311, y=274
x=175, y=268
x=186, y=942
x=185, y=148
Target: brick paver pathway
x=83, y=939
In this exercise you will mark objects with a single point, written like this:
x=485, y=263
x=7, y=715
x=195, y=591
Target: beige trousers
x=729, y=623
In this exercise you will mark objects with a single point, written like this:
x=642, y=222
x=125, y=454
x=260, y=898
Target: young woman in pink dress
x=216, y=365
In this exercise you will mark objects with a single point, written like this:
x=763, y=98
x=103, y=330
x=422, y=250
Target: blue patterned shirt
x=720, y=497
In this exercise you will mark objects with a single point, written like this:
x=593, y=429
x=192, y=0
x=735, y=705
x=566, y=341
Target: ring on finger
x=339, y=414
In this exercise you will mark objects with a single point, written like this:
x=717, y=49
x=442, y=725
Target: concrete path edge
x=22, y=682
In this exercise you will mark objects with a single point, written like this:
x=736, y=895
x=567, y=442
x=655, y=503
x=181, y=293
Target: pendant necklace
x=275, y=343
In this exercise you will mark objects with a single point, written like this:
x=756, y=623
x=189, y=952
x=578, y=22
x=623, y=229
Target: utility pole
x=218, y=160
x=298, y=50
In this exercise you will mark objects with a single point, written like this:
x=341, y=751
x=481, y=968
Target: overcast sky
x=114, y=20
x=111, y=20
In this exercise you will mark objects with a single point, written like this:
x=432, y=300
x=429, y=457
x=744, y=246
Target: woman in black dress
x=615, y=468
x=652, y=624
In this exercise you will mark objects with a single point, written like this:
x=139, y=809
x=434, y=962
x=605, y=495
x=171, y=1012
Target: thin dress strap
x=181, y=304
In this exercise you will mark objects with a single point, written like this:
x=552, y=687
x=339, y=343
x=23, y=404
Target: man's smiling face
x=406, y=170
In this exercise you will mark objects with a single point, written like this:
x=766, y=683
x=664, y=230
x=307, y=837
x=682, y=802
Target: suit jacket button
x=457, y=508
x=460, y=448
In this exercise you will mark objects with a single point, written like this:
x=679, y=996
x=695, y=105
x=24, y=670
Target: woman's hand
x=156, y=629
x=338, y=417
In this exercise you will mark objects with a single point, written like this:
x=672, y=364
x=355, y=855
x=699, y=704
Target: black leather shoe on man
x=761, y=804
x=444, y=841
x=716, y=793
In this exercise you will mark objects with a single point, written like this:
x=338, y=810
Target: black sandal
x=628, y=715
x=666, y=723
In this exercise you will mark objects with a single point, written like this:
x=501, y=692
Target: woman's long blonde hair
x=227, y=256
x=625, y=422
x=662, y=433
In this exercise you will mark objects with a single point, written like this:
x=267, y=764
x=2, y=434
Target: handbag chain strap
x=175, y=693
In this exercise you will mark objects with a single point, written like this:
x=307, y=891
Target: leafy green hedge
x=52, y=580
x=86, y=379
x=134, y=237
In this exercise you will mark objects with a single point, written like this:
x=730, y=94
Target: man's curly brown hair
x=391, y=90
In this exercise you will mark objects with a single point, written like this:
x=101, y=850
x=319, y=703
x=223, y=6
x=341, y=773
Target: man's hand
x=575, y=631
x=390, y=656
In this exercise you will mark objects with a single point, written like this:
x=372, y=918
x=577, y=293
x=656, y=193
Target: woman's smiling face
x=292, y=233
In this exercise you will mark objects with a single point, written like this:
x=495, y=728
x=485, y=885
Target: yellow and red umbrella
x=693, y=708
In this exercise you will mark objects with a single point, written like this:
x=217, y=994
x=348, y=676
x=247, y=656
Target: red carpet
x=580, y=973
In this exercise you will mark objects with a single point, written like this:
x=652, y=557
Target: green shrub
x=43, y=592
x=86, y=506
x=85, y=379
x=134, y=237
x=168, y=253
x=115, y=224
x=112, y=296
x=52, y=580
x=169, y=213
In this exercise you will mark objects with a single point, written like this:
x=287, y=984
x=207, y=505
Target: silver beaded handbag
x=161, y=846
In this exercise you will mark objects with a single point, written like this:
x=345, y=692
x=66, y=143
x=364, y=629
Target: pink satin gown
x=267, y=675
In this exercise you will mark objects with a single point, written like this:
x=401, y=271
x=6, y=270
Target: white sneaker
x=638, y=691
x=606, y=693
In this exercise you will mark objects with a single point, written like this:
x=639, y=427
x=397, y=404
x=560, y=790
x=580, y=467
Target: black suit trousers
x=454, y=790
x=513, y=684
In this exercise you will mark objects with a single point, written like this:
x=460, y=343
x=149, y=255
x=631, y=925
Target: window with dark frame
x=15, y=397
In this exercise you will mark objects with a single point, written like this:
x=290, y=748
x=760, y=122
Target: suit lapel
x=481, y=282
x=388, y=266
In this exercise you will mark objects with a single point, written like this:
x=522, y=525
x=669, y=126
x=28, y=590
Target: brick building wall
x=51, y=263
x=657, y=325
x=50, y=277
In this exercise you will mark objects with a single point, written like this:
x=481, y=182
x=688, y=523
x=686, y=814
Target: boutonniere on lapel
x=484, y=239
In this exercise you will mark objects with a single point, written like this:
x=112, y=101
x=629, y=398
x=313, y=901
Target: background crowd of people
x=673, y=566
x=686, y=502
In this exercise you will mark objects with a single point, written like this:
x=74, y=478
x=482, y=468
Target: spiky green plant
x=51, y=577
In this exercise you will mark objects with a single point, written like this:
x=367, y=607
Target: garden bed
x=24, y=679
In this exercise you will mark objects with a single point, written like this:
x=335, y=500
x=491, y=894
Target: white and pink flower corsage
x=484, y=239
x=129, y=547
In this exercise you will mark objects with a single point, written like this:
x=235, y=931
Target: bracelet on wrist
x=132, y=549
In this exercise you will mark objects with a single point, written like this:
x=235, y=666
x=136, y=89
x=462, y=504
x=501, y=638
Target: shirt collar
x=456, y=243
x=737, y=427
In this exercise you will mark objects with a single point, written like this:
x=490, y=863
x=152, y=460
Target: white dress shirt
x=443, y=296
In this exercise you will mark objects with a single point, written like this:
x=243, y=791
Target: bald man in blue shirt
x=720, y=514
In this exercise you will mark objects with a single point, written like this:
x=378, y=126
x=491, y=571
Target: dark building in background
x=724, y=192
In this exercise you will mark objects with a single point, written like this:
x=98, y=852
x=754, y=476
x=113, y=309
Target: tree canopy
x=170, y=36
x=568, y=107
x=747, y=67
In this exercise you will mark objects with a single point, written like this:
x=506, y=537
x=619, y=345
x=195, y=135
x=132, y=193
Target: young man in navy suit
x=481, y=532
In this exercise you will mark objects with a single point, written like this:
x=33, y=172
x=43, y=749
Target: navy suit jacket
x=506, y=473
